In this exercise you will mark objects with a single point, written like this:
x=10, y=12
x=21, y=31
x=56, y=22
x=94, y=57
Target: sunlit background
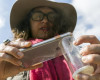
x=88, y=22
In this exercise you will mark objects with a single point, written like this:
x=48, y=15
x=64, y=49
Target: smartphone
x=43, y=51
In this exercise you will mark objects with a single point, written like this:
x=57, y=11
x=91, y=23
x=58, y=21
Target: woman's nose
x=45, y=20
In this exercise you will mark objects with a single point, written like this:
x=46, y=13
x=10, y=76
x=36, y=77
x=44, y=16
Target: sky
x=88, y=15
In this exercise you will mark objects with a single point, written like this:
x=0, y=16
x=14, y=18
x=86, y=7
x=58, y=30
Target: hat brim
x=22, y=7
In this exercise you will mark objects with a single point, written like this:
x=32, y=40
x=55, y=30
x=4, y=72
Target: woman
x=37, y=20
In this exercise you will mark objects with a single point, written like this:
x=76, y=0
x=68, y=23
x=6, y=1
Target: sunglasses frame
x=45, y=14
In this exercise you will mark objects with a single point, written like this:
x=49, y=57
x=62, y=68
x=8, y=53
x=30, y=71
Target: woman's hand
x=10, y=56
x=91, y=54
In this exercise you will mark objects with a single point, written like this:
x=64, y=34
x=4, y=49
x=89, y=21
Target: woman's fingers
x=9, y=58
x=32, y=67
x=90, y=49
x=10, y=54
x=20, y=44
x=12, y=48
x=91, y=54
x=86, y=39
x=11, y=51
x=20, y=39
x=97, y=69
x=91, y=58
x=87, y=77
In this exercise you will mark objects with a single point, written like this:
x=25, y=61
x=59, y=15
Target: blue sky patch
x=66, y=1
x=88, y=26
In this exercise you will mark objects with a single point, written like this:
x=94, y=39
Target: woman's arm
x=10, y=56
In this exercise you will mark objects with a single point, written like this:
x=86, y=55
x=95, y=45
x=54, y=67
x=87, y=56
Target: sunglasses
x=39, y=16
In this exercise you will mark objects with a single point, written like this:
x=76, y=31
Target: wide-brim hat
x=22, y=7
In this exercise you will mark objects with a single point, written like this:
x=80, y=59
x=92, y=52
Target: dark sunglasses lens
x=52, y=16
x=37, y=16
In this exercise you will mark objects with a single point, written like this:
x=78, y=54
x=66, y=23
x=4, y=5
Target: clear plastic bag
x=73, y=58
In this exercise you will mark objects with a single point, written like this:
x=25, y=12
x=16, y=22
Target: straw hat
x=22, y=7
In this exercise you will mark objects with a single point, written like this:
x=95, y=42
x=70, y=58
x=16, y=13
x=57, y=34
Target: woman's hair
x=61, y=25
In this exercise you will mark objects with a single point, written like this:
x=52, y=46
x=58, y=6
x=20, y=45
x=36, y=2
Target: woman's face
x=42, y=23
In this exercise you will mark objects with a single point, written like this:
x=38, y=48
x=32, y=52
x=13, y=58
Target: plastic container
x=43, y=51
x=73, y=58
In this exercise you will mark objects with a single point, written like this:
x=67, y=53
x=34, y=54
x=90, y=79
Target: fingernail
x=75, y=42
x=78, y=76
x=20, y=54
x=27, y=44
x=84, y=59
x=81, y=52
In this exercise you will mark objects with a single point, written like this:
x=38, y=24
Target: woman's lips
x=44, y=28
